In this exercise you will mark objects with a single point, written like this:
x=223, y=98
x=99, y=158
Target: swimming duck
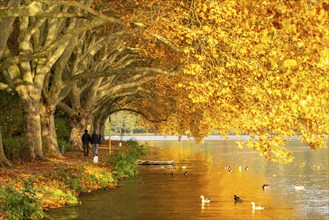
x=185, y=173
x=237, y=199
x=246, y=168
x=254, y=207
x=299, y=187
x=265, y=187
x=204, y=200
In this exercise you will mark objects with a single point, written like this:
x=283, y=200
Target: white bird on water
x=254, y=207
x=299, y=187
x=204, y=200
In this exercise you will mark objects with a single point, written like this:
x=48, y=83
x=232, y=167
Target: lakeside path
x=27, y=169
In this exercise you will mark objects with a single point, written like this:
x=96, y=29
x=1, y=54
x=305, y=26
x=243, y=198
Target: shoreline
x=146, y=137
x=52, y=184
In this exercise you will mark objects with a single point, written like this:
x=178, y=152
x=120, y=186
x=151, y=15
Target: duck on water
x=237, y=199
x=265, y=187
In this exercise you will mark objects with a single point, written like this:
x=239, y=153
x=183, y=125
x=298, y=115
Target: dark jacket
x=100, y=138
x=94, y=138
x=86, y=138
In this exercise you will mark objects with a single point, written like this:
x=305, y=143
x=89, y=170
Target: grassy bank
x=31, y=197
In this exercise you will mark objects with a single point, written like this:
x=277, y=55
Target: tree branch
x=44, y=52
x=82, y=7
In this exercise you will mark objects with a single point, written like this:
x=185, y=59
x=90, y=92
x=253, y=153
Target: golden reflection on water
x=213, y=180
x=157, y=194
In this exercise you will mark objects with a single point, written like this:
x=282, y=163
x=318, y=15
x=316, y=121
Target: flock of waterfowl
x=237, y=199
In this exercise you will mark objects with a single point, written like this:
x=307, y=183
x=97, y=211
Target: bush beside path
x=29, y=189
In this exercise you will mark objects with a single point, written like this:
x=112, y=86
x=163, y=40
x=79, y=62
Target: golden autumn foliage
x=248, y=67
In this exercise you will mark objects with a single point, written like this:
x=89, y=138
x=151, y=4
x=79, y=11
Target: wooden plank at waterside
x=156, y=162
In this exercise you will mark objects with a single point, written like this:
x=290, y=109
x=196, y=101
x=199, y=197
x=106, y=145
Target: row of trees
x=257, y=67
x=74, y=55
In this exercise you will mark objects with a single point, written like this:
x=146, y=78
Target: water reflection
x=156, y=194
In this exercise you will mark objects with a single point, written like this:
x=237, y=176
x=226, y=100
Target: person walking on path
x=100, y=138
x=95, y=141
x=86, y=139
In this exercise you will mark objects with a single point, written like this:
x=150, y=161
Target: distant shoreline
x=176, y=138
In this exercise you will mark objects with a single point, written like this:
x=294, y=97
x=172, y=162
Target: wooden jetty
x=156, y=162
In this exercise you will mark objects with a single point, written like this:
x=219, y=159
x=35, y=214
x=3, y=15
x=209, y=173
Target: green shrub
x=125, y=162
x=92, y=178
x=64, y=144
x=12, y=122
x=16, y=148
x=63, y=129
x=58, y=194
x=22, y=204
x=102, y=179
x=105, y=179
x=72, y=176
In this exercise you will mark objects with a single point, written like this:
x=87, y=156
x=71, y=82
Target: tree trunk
x=96, y=124
x=102, y=128
x=102, y=122
x=76, y=133
x=3, y=158
x=49, y=136
x=31, y=113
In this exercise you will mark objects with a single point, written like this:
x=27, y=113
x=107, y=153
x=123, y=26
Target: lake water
x=166, y=193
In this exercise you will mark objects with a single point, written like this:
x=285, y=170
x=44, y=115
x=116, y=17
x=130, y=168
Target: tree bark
x=78, y=128
x=6, y=26
x=96, y=124
x=49, y=136
x=31, y=113
x=99, y=120
x=3, y=158
x=102, y=127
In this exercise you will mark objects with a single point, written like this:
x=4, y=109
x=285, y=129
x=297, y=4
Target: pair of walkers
x=94, y=140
